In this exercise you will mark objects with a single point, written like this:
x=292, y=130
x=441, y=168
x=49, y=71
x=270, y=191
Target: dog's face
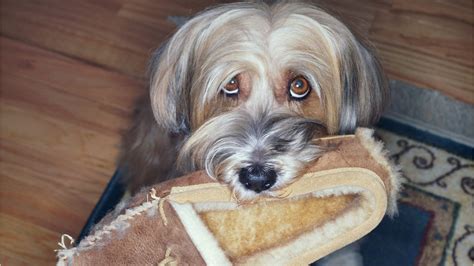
x=253, y=85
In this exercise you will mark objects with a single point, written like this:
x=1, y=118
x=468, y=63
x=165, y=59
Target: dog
x=243, y=90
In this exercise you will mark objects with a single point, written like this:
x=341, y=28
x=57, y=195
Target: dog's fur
x=190, y=123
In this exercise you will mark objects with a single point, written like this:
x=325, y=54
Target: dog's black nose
x=257, y=178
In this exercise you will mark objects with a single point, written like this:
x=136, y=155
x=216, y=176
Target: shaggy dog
x=243, y=90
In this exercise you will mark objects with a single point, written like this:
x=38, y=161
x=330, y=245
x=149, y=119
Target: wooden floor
x=70, y=71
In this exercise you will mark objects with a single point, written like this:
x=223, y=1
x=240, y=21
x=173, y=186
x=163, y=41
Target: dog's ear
x=169, y=73
x=365, y=90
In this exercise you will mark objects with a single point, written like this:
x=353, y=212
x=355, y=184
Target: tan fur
x=292, y=37
x=313, y=108
x=148, y=151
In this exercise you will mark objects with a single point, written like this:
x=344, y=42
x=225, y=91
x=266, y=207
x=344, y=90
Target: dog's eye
x=232, y=87
x=299, y=88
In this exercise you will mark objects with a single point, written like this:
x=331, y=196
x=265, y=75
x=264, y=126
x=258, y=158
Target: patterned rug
x=435, y=225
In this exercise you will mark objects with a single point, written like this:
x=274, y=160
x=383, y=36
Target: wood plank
x=426, y=49
x=440, y=37
x=82, y=29
x=8, y=260
x=60, y=123
x=25, y=243
x=452, y=9
x=109, y=34
x=357, y=14
x=427, y=72
x=154, y=13
x=423, y=42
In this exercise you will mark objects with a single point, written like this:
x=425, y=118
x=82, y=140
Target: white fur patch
x=202, y=238
x=378, y=153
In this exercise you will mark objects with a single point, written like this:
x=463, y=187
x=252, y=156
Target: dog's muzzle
x=254, y=151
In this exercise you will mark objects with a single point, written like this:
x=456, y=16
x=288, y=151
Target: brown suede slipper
x=195, y=220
